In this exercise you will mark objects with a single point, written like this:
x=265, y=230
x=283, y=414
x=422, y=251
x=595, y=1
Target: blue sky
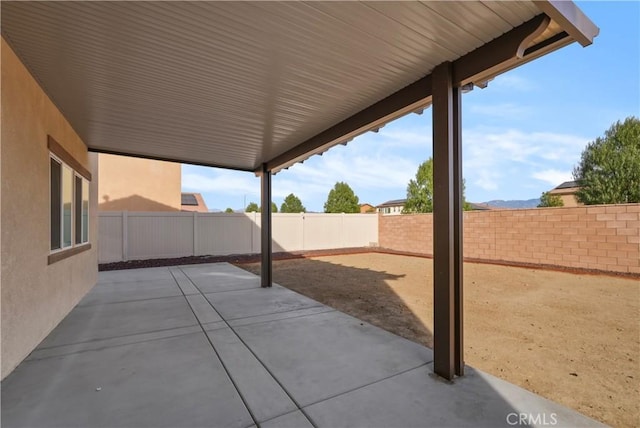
x=521, y=136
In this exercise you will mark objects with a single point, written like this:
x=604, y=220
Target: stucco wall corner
x=35, y=295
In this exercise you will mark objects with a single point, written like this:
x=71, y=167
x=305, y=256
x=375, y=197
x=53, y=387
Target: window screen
x=67, y=205
x=77, y=205
x=85, y=211
x=56, y=221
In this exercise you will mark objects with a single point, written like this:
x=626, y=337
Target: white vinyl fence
x=153, y=235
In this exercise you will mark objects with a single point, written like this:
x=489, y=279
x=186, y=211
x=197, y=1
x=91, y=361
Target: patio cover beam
x=514, y=48
x=266, y=267
x=571, y=19
x=410, y=98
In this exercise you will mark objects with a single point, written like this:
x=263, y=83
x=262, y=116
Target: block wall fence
x=603, y=237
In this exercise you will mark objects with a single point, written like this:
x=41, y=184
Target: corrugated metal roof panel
x=235, y=84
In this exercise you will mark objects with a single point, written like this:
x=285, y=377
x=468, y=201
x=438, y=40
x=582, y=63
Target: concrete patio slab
x=133, y=275
x=202, y=309
x=225, y=278
x=279, y=316
x=258, y=301
x=105, y=321
x=113, y=292
x=252, y=357
x=214, y=325
x=214, y=285
x=263, y=395
x=174, y=382
x=95, y=345
x=322, y=355
x=291, y=420
x=223, y=269
x=183, y=282
x=476, y=400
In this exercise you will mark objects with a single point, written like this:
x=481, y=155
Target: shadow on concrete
x=362, y=293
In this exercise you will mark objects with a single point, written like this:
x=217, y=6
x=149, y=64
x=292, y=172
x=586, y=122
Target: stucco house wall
x=35, y=295
x=568, y=196
x=135, y=184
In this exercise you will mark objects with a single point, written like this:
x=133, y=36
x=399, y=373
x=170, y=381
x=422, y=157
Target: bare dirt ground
x=574, y=339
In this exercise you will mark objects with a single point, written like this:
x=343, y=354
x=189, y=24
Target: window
x=81, y=205
x=56, y=219
x=69, y=204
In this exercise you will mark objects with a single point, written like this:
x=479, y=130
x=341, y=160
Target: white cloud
x=355, y=166
x=513, y=82
x=502, y=110
x=498, y=163
x=374, y=165
x=505, y=159
x=487, y=180
x=200, y=179
x=403, y=138
x=552, y=176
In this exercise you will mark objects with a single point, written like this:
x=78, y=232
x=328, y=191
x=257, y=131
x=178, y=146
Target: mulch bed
x=255, y=258
x=234, y=258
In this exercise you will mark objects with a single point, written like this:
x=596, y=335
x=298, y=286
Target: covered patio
x=259, y=86
x=205, y=345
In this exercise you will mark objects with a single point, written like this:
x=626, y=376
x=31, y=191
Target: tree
x=341, y=199
x=549, y=200
x=229, y=210
x=609, y=168
x=252, y=208
x=420, y=191
x=292, y=204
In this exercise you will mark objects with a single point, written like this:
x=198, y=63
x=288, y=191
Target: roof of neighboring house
x=481, y=207
x=567, y=185
x=392, y=203
x=193, y=202
x=566, y=188
x=189, y=199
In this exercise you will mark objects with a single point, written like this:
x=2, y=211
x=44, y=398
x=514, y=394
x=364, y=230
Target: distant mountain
x=215, y=210
x=529, y=203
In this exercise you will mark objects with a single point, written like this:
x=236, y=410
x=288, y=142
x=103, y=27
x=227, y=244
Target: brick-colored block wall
x=601, y=237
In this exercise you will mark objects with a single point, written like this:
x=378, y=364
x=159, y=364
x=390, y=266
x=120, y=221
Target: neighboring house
x=481, y=207
x=567, y=192
x=193, y=202
x=367, y=208
x=393, y=207
x=396, y=206
x=135, y=184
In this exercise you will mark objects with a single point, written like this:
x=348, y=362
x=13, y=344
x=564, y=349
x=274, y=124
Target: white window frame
x=86, y=182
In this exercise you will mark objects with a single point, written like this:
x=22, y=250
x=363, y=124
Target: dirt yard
x=574, y=339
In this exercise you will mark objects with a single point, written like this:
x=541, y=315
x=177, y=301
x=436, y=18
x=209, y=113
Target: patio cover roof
x=253, y=85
